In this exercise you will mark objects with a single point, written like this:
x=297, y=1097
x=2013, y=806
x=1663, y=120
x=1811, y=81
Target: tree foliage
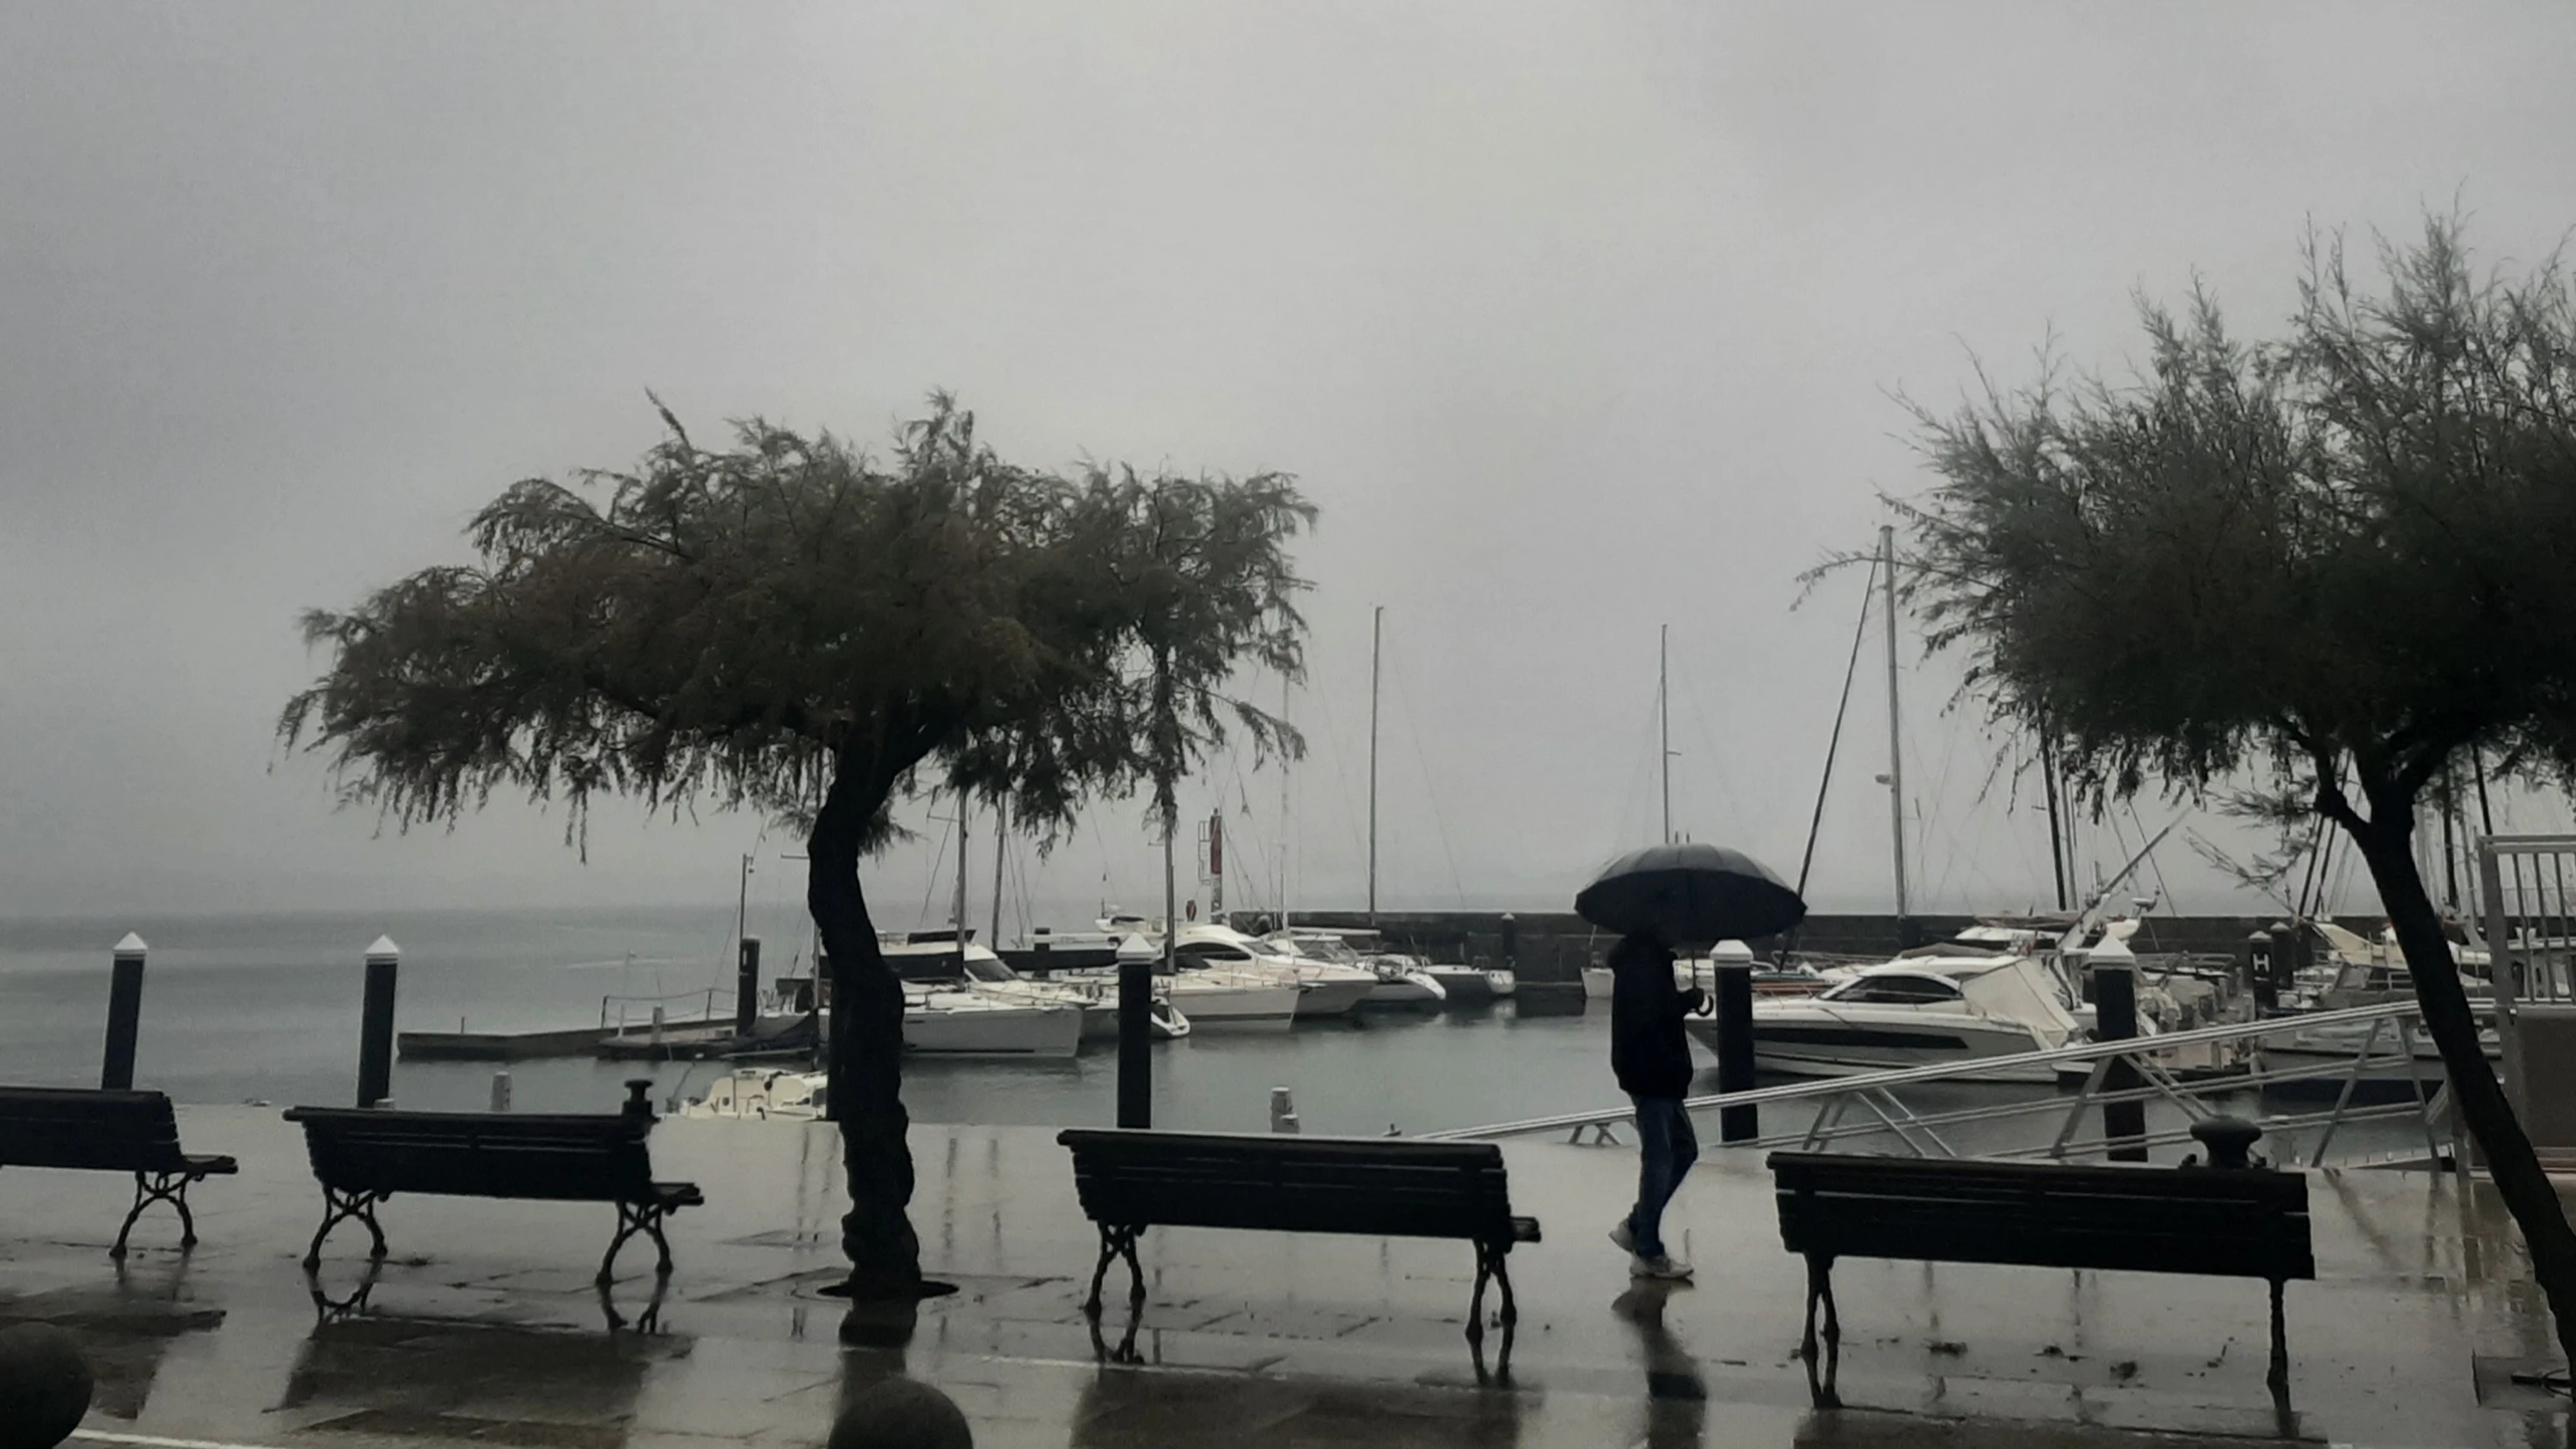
x=2310, y=574
x=722, y=626
x=2344, y=547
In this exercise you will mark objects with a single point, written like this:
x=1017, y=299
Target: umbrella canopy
x=1690, y=892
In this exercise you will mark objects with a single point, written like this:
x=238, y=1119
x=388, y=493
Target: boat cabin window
x=1214, y=951
x=1894, y=989
x=924, y=969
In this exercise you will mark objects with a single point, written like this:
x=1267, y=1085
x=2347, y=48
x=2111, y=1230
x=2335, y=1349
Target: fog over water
x=1574, y=320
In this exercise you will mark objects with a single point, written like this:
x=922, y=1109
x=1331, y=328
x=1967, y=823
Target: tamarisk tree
x=789, y=626
x=2304, y=575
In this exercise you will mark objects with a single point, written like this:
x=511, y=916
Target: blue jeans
x=1666, y=1149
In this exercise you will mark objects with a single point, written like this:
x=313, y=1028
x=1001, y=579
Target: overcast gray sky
x=1575, y=320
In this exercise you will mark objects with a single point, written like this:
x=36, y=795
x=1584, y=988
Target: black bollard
x=1510, y=954
x=1735, y=1050
x=124, y=1013
x=2258, y=971
x=1041, y=951
x=2115, y=1005
x=376, y=1024
x=746, y=987
x=1135, y=1033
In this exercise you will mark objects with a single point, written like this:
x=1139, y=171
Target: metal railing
x=620, y=1014
x=1868, y=1106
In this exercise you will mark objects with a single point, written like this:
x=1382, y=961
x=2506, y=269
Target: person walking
x=1651, y=1058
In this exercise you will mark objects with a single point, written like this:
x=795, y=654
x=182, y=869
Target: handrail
x=1827, y=1087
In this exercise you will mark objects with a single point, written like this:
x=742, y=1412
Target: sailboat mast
x=2057, y=853
x=1377, y=636
x=1283, y=806
x=1664, y=719
x=961, y=882
x=1895, y=740
x=1001, y=836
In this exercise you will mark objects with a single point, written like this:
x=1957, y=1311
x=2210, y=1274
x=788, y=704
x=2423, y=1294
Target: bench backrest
x=87, y=1127
x=2249, y=1223
x=585, y=1158
x=1371, y=1185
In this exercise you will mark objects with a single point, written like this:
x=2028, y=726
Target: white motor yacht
x=1459, y=985
x=763, y=1094
x=1205, y=997
x=978, y=970
x=1327, y=988
x=1401, y=980
x=944, y=1015
x=1917, y=1012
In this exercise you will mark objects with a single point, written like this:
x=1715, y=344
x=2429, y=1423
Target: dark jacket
x=1648, y=1052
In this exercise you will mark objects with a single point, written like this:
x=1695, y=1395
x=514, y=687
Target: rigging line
x=1716, y=756
x=1833, y=743
x=1413, y=728
x=2162, y=885
x=1341, y=772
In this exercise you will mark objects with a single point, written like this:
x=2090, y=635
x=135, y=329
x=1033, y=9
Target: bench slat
x=1378, y=1187
x=552, y=1157
x=86, y=1128
x=2216, y=1223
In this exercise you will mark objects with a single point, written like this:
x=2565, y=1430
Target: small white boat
x=1915, y=1012
x=762, y=1094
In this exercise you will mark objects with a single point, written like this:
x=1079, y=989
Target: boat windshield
x=1326, y=948
x=990, y=970
x=1902, y=988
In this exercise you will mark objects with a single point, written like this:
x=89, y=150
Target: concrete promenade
x=484, y=1327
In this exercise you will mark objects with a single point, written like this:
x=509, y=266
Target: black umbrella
x=1690, y=892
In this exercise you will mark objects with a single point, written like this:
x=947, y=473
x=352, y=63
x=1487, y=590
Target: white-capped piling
x=376, y=1024
x=124, y=1013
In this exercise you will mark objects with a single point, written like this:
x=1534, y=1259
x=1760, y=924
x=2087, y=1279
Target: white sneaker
x=1625, y=1237
x=1664, y=1266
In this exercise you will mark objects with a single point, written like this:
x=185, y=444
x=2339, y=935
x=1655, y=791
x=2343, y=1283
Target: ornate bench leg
x=152, y=1187
x=339, y=1207
x=1100, y=1270
x=633, y=1218
x=1492, y=1262
x=1820, y=1289
x=1135, y=1270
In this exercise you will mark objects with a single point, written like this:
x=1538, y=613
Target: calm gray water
x=265, y=1008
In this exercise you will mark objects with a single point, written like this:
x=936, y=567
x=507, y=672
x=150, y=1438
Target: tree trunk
x=2483, y=1106
x=865, y=1060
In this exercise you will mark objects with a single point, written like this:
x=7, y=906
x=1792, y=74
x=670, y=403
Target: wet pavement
x=484, y=1326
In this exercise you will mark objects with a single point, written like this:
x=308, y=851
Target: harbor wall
x=1557, y=945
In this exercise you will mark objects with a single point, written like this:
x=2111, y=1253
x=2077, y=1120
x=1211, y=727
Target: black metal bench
x=99, y=1130
x=363, y=1156
x=1372, y=1186
x=2211, y=1221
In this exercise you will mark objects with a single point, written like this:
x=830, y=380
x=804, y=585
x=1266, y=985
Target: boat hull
x=1049, y=1033
x=1321, y=1000
x=1464, y=985
x=1826, y=1047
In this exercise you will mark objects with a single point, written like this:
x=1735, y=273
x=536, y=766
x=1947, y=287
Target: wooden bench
x=2221, y=1222
x=1372, y=1186
x=363, y=1156
x=107, y=1131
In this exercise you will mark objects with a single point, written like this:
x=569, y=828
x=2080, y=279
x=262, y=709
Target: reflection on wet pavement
x=488, y=1330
